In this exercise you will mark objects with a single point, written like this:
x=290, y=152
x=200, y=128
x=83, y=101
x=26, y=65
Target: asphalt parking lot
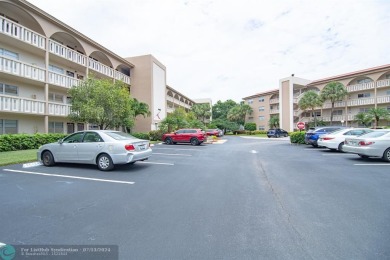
x=245, y=198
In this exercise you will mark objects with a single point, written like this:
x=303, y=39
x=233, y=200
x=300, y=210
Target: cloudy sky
x=224, y=49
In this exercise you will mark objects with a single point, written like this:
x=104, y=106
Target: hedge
x=14, y=142
x=297, y=137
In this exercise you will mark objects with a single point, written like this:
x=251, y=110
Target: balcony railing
x=21, y=105
x=56, y=109
x=122, y=77
x=99, y=67
x=361, y=102
x=20, y=32
x=383, y=99
x=67, y=53
x=383, y=83
x=360, y=87
x=62, y=80
x=21, y=69
x=274, y=100
x=274, y=111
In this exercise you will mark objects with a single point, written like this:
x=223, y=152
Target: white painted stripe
x=372, y=164
x=156, y=163
x=338, y=154
x=158, y=148
x=173, y=154
x=70, y=177
x=253, y=151
x=32, y=164
x=316, y=149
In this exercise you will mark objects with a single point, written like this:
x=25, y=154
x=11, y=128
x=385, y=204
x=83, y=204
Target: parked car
x=374, y=144
x=312, y=135
x=104, y=148
x=336, y=139
x=277, y=132
x=192, y=136
x=221, y=132
x=214, y=132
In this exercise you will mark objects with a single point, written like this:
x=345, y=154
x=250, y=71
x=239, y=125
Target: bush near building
x=250, y=126
x=297, y=137
x=15, y=142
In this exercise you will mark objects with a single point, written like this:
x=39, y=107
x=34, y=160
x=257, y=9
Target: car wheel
x=104, y=162
x=285, y=135
x=340, y=148
x=277, y=135
x=48, y=159
x=363, y=156
x=386, y=155
x=168, y=141
x=194, y=141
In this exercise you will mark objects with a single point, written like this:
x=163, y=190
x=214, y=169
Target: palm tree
x=310, y=100
x=379, y=113
x=237, y=113
x=364, y=118
x=273, y=122
x=140, y=108
x=333, y=91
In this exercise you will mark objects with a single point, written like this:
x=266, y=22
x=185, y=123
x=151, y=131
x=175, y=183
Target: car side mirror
x=60, y=141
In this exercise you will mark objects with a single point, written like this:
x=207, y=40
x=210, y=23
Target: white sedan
x=335, y=140
x=374, y=144
x=104, y=148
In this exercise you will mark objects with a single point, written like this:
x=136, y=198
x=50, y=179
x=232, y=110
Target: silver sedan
x=104, y=148
x=374, y=144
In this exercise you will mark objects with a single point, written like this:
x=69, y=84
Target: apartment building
x=41, y=58
x=368, y=88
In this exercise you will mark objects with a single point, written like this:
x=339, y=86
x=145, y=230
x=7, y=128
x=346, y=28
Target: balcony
x=21, y=105
x=122, y=77
x=360, y=87
x=274, y=101
x=67, y=53
x=56, y=109
x=274, y=111
x=62, y=80
x=21, y=69
x=21, y=33
x=383, y=83
x=383, y=99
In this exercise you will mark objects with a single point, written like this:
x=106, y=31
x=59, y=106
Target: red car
x=192, y=136
x=214, y=132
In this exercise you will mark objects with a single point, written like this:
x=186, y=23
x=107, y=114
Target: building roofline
x=274, y=91
x=68, y=28
x=350, y=74
x=174, y=90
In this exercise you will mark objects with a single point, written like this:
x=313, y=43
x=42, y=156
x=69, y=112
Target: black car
x=277, y=133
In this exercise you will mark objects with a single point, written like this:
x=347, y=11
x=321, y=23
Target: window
x=364, y=95
x=9, y=54
x=337, y=112
x=388, y=92
x=261, y=118
x=56, y=69
x=80, y=126
x=8, y=126
x=261, y=99
x=93, y=127
x=261, y=127
x=363, y=109
x=388, y=76
x=92, y=137
x=261, y=108
x=74, y=138
x=250, y=101
x=9, y=89
x=316, y=114
x=56, y=97
x=361, y=81
x=70, y=73
x=56, y=127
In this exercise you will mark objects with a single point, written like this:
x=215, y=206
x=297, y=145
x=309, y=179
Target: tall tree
x=221, y=109
x=139, y=108
x=202, y=112
x=237, y=114
x=175, y=120
x=379, y=113
x=101, y=102
x=333, y=91
x=310, y=100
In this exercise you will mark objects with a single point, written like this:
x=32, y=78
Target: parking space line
x=371, y=164
x=329, y=154
x=171, y=164
x=178, y=149
x=316, y=149
x=68, y=176
x=173, y=154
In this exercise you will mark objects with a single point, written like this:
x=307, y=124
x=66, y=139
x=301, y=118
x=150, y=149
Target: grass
x=14, y=157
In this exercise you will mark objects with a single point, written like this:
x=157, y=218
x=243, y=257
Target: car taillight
x=327, y=138
x=364, y=143
x=129, y=147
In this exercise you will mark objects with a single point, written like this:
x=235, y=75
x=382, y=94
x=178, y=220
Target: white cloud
x=232, y=49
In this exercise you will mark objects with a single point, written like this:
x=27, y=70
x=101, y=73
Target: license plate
x=142, y=147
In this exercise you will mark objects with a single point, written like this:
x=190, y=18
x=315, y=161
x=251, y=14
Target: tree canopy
x=310, y=100
x=101, y=102
x=202, y=112
x=333, y=91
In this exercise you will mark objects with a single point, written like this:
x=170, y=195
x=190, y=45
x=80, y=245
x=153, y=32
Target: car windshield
x=120, y=135
x=340, y=131
x=375, y=134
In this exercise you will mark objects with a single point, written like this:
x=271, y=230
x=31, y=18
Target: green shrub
x=260, y=132
x=156, y=135
x=250, y=126
x=144, y=136
x=14, y=142
x=297, y=137
x=239, y=132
